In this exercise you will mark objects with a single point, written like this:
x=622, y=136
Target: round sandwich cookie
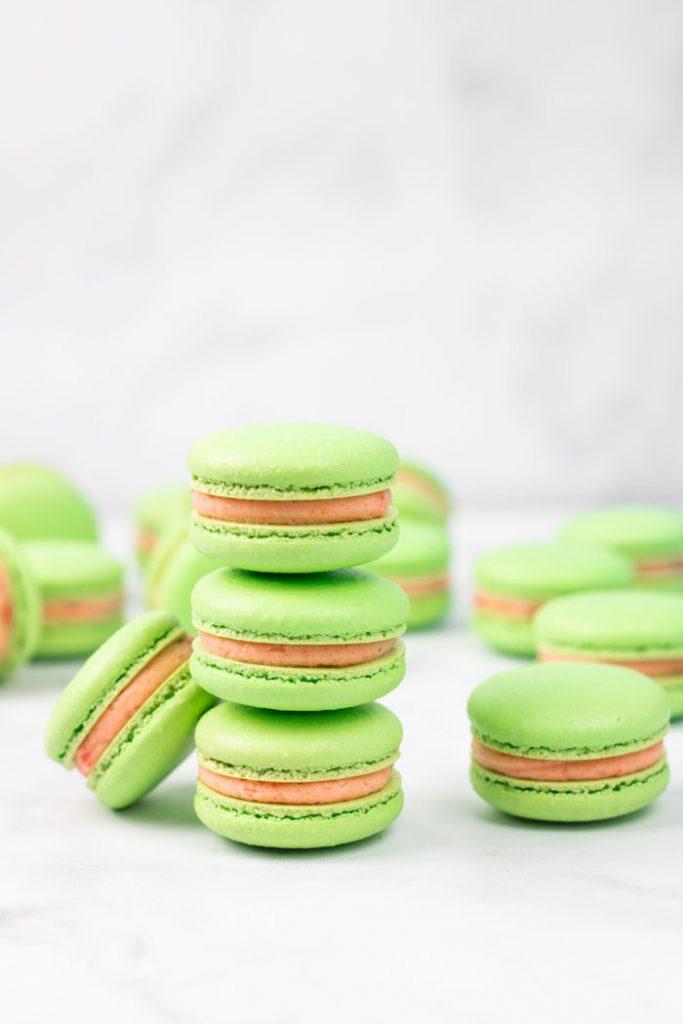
x=289, y=780
x=154, y=513
x=293, y=497
x=19, y=607
x=37, y=503
x=312, y=642
x=173, y=569
x=512, y=583
x=81, y=589
x=127, y=718
x=419, y=565
x=419, y=493
x=637, y=629
x=650, y=536
x=568, y=742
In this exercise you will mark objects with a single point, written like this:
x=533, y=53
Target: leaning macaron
x=291, y=780
x=38, y=503
x=637, y=629
x=127, y=718
x=19, y=606
x=172, y=572
x=512, y=583
x=155, y=511
x=419, y=565
x=293, y=497
x=649, y=535
x=419, y=493
x=81, y=589
x=310, y=642
x=569, y=742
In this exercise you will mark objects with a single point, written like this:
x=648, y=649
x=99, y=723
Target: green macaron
x=155, y=511
x=420, y=494
x=293, y=497
x=174, y=568
x=419, y=564
x=512, y=583
x=310, y=642
x=640, y=629
x=290, y=780
x=649, y=535
x=568, y=742
x=19, y=606
x=127, y=718
x=81, y=588
x=37, y=503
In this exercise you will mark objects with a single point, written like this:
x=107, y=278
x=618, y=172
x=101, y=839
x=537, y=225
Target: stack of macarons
x=420, y=561
x=297, y=641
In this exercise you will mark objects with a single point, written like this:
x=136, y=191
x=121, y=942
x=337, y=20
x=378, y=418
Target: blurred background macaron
x=20, y=607
x=81, y=593
x=511, y=584
x=419, y=564
x=155, y=511
x=418, y=492
x=38, y=503
x=173, y=569
x=651, y=536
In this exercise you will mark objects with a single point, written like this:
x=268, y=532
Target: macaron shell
x=37, y=502
x=304, y=827
x=156, y=740
x=174, y=569
x=428, y=610
x=635, y=530
x=70, y=570
x=674, y=694
x=26, y=607
x=289, y=689
x=74, y=639
x=294, y=549
x=337, y=607
x=292, y=460
x=542, y=571
x=511, y=636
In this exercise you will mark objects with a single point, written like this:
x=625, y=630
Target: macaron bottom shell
x=570, y=801
x=298, y=689
x=299, y=826
x=75, y=639
x=428, y=610
x=293, y=549
x=512, y=636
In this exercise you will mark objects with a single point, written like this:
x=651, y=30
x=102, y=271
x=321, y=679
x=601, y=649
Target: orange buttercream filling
x=146, y=541
x=512, y=607
x=660, y=567
x=653, y=667
x=424, y=586
x=540, y=770
x=293, y=512
x=295, y=655
x=131, y=698
x=6, y=614
x=329, y=791
x=89, y=610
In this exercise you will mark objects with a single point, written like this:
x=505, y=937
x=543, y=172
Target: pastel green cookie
x=19, y=606
x=151, y=730
x=512, y=583
x=419, y=493
x=419, y=564
x=312, y=642
x=155, y=512
x=81, y=591
x=174, y=568
x=544, y=736
x=37, y=503
x=640, y=629
x=297, y=463
x=336, y=753
x=649, y=535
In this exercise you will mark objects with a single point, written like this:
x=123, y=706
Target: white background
x=457, y=223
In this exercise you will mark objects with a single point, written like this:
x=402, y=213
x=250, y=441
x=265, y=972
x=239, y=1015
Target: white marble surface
x=456, y=913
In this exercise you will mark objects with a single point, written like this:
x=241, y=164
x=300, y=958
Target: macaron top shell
x=37, y=502
x=262, y=744
x=545, y=570
x=632, y=622
x=292, y=461
x=346, y=606
x=420, y=493
x=633, y=529
x=23, y=598
x=102, y=677
x=568, y=711
x=65, y=568
x=422, y=549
